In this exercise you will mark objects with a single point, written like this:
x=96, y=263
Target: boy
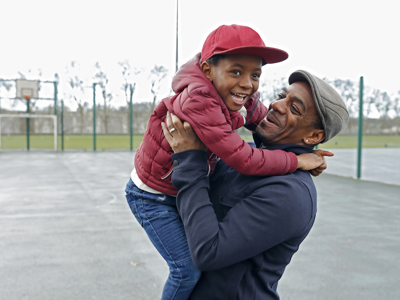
x=216, y=92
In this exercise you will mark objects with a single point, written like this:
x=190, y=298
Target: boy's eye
x=236, y=72
x=255, y=75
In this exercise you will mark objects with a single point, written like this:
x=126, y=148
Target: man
x=242, y=230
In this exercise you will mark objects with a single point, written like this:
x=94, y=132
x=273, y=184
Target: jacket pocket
x=168, y=174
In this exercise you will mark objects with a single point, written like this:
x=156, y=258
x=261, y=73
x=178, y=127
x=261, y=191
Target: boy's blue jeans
x=158, y=215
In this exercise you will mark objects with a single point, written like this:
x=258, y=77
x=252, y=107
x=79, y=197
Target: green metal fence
x=88, y=131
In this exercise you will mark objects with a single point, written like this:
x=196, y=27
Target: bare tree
x=129, y=77
x=396, y=110
x=157, y=74
x=77, y=92
x=126, y=72
x=270, y=88
x=7, y=86
x=383, y=103
x=102, y=80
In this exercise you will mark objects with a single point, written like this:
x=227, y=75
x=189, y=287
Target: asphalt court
x=67, y=232
x=377, y=164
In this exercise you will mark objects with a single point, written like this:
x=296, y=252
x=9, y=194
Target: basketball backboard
x=27, y=89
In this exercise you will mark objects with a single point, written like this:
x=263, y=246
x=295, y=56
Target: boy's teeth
x=238, y=96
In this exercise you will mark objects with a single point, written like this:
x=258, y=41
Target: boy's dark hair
x=213, y=60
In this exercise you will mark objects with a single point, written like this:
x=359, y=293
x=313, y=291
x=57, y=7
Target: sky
x=334, y=39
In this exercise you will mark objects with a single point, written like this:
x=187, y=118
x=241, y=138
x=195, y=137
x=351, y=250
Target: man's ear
x=315, y=137
x=207, y=70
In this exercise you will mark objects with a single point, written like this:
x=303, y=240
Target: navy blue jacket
x=242, y=230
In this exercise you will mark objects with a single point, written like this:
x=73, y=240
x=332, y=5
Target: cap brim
x=268, y=54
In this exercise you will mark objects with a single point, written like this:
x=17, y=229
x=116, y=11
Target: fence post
x=360, y=127
x=55, y=97
x=131, y=117
x=55, y=110
x=94, y=116
x=62, y=125
x=27, y=124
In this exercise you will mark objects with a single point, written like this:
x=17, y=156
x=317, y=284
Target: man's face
x=290, y=116
x=236, y=78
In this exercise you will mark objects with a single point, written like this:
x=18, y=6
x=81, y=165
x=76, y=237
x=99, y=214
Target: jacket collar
x=296, y=149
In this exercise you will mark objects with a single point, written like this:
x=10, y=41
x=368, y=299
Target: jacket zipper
x=209, y=164
x=168, y=174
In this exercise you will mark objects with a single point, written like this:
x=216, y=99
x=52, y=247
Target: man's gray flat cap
x=330, y=106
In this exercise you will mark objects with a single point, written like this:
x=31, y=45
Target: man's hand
x=315, y=162
x=181, y=136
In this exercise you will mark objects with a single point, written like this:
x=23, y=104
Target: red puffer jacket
x=197, y=102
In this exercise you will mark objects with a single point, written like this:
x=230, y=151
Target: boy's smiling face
x=235, y=77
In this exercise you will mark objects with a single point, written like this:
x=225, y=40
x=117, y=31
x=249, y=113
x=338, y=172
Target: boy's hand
x=315, y=162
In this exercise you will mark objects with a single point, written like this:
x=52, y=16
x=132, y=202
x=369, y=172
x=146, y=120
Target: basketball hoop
x=27, y=89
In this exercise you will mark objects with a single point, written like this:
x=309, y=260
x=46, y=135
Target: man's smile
x=271, y=120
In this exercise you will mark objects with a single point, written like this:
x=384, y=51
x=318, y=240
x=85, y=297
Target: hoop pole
x=55, y=132
x=131, y=117
x=177, y=43
x=94, y=116
x=55, y=97
x=62, y=125
x=55, y=115
x=360, y=128
x=27, y=124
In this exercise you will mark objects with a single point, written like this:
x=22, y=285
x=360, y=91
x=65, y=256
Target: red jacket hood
x=188, y=73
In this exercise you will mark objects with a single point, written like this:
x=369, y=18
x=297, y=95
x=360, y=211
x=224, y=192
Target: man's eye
x=280, y=96
x=296, y=110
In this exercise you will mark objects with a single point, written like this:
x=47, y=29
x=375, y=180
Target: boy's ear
x=207, y=70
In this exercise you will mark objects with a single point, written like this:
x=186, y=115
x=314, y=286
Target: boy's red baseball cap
x=238, y=39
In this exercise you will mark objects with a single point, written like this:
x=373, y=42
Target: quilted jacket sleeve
x=211, y=121
x=256, y=111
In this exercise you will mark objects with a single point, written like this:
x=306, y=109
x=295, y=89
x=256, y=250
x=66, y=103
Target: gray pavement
x=352, y=251
x=67, y=233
